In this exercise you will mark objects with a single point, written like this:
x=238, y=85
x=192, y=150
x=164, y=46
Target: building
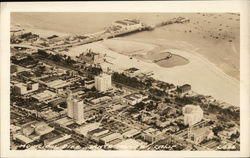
x=89, y=84
x=134, y=98
x=132, y=72
x=152, y=135
x=44, y=96
x=227, y=133
x=75, y=109
x=22, y=139
x=32, y=131
x=128, y=144
x=84, y=129
x=131, y=133
x=70, y=105
x=163, y=124
x=100, y=99
x=192, y=114
x=78, y=111
x=103, y=82
x=24, y=88
x=126, y=24
x=51, y=141
x=200, y=134
x=56, y=84
x=97, y=132
x=184, y=88
x=110, y=138
x=91, y=57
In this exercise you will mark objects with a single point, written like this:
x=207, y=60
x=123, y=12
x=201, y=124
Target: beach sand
x=145, y=51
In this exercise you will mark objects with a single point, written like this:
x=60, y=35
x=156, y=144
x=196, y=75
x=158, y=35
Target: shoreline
x=197, y=73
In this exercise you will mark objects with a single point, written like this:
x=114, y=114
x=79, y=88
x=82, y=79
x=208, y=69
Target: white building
x=132, y=72
x=70, y=106
x=103, y=82
x=44, y=96
x=192, y=114
x=134, y=98
x=84, y=129
x=128, y=144
x=75, y=109
x=152, y=135
x=200, y=134
x=22, y=88
x=78, y=111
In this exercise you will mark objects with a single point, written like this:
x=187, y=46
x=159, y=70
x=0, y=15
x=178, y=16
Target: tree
x=57, y=58
x=42, y=53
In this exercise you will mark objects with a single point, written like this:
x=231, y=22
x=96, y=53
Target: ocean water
x=80, y=23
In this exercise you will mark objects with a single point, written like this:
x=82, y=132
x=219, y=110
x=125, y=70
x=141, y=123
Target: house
x=152, y=135
x=132, y=72
x=200, y=134
x=184, y=88
x=227, y=133
x=134, y=98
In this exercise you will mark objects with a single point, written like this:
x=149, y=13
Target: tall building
x=78, y=111
x=192, y=114
x=103, y=82
x=75, y=109
x=70, y=105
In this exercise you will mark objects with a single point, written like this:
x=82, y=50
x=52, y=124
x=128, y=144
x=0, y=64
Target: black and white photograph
x=125, y=81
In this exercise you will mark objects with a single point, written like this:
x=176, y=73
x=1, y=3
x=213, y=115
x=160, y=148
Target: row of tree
x=128, y=81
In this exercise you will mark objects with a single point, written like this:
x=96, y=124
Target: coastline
x=198, y=72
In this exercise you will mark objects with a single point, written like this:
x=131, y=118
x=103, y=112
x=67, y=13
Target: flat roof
x=152, y=131
x=86, y=128
x=128, y=144
x=114, y=142
x=131, y=133
x=23, y=138
x=111, y=137
x=64, y=121
x=133, y=96
x=96, y=131
x=58, y=83
x=44, y=95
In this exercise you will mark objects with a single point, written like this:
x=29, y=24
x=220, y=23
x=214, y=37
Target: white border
x=147, y=6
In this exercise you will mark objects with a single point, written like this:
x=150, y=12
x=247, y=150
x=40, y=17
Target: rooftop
x=86, y=128
x=131, y=133
x=129, y=144
x=45, y=95
x=152, y=131
x=189, y=109
x=111, y=137
x=131, y=70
